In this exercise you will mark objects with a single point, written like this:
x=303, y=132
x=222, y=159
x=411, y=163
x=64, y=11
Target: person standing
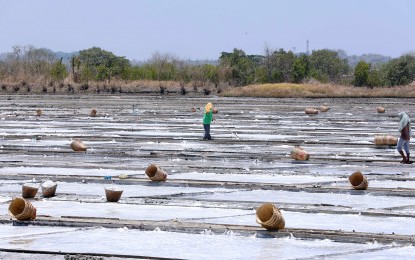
x=405, y=130
x=207, y=119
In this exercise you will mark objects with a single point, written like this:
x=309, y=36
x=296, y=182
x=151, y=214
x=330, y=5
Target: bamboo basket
x=269, y=216
x=113, y=194
x=155, y=173
x=93, y=113
x=358, y=181
x=22, y=209
x=49, y=188
x=29, y=190
x=380, y=109
x=38, y=112
x=298, y=153
x=78, y=146
x=311, y=111
x=324, y=108
x=385, y=140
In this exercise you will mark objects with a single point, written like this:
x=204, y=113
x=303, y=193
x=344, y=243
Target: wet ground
x=207, y=207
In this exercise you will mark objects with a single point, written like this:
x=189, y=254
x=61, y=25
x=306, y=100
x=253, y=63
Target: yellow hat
x=208, y=107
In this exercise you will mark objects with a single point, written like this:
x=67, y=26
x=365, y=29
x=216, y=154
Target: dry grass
x=317, y=90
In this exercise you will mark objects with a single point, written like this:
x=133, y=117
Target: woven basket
x=270, y=217
x=385, y=140
x=78, y=146
x=155, y=173
x=29, y=190
x=298, y=153
x=358, y=181
x=380, y=109
x=311, y=111
x=49, y=188
x=93, y=113
x=22, y=209
x=38, y=112
x=324, y=108
x=113, y=194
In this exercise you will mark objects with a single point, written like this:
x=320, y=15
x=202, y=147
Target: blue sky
x=198, y=29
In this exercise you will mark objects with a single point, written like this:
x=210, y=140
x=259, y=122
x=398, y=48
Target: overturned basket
x=29, y=190
x=269, y=216
x=298, y=153
x=49, y=188
x=155, y=173
x=22, y=209
x=113, y=194
x=38, y=112
x=93, y=113
x=380, y=109
x=358, y=181
x=78, y=146
x=311, y=111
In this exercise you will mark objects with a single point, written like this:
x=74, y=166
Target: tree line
x=234, y=68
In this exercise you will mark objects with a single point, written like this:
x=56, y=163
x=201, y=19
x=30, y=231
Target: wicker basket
x=358, y=181
x=38, y=112
x=324, y=108
x=380, y=109
x=113, y=194
x=93, y=113
x=298, y=153
x=22, y=209
x=78, y=146
x=269, y=216
x=385, y=140
x=29, y=190
x=155, y=173
x=49, y=188
x=311, y=111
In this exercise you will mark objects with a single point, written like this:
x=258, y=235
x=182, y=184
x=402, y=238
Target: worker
x=405, y=130
x=207, y=119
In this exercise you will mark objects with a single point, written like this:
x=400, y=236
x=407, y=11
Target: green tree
x=326, y=65
x=241, y=67
x=101, y=65
x=400, y=71
x=282, y=66
x=361, y=74
x=300, y=69
x=58, y=71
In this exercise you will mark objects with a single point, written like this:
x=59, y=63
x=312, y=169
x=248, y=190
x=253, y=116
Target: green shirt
x=207, y=118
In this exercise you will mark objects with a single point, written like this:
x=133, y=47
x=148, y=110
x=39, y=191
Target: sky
x=199, y=30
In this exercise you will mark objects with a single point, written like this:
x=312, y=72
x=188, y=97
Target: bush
x=361, y=74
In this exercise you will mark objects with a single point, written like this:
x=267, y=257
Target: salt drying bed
x=167, y=244
x=207, y=207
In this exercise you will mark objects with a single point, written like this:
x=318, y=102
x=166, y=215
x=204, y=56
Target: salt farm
x=206, y=209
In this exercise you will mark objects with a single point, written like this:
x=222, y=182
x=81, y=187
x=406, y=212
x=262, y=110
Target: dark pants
x=207, y=132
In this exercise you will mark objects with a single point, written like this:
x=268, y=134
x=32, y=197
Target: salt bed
x=97, y=189
x=392, y=184
x=269, y=178
x=205, y=245
x=347, y=222
x=344, y=222
x=400, y=253
x=56, y=171
x=359, y=201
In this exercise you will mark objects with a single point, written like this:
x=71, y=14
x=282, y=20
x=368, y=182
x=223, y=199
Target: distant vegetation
x=95, y=70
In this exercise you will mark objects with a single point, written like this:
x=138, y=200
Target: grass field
x=317, y=90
